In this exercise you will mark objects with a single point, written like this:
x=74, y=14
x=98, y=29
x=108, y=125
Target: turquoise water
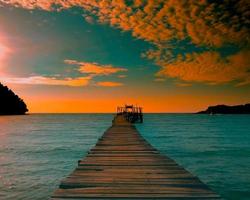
x=38, y=150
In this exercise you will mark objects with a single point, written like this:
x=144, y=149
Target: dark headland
x=224, y=109
x=10, y=103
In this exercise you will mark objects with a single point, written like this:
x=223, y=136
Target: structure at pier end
x=132, y=114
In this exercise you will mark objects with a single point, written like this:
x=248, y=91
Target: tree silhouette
x=10, y=103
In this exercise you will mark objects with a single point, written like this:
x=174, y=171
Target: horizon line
x=105, y=113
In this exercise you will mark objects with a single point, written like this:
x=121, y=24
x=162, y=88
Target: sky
x=93, y=55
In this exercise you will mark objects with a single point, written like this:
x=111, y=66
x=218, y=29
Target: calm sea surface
x=38, y=150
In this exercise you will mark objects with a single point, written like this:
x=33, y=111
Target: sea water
x=38, y=150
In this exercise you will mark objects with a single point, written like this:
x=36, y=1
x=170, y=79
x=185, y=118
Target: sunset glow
x=2, y=51
x=169, y=56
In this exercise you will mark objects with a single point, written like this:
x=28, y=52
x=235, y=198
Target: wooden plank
x=124, y=165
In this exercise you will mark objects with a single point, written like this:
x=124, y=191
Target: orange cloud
x=122, y=76
x=183, y=84
x=159, y=21
x=204, y=23
x=91, y=69
x=95, y=68
x=209, y=67
x=109, y=84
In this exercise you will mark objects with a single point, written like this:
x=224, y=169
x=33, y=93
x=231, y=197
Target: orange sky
x=107, y=103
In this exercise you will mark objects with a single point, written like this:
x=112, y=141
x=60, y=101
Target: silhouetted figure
x=10, y=103
x=224, y=109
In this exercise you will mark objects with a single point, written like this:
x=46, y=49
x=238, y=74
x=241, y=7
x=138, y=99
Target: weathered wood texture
x=124, y=165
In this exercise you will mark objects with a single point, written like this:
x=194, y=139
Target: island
x=225, y=109
x=10, y=103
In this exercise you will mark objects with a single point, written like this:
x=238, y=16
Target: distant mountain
x=10, y=103
x=224, y=109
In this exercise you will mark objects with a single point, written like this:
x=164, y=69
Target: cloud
x=159, y=79
x=109, y=84
x=42, y=80
x=183, y=84
x=206, y=24
x=211, y=68
x=95, y=68
x=90, y=69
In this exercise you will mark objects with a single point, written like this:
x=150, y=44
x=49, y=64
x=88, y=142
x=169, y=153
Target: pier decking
x=123, y=165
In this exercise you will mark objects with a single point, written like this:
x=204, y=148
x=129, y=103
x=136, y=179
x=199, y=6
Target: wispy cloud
x=42, y=80
x=95, y=68
x=159, y=79
x=206, y=24
x=88, y=70
x=109, y=84
x=183, y=84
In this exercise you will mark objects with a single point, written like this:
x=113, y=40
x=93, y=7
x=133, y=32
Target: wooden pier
x=123, y=165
